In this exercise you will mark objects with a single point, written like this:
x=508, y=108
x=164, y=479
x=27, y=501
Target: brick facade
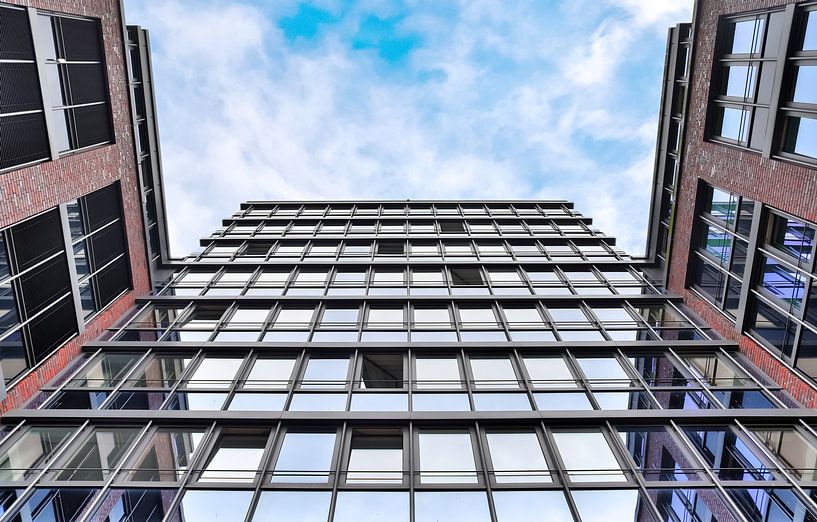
x=785, y=186
x=31, y=190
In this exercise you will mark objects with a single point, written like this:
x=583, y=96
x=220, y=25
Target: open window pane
x=235, y=458
x=376, y=457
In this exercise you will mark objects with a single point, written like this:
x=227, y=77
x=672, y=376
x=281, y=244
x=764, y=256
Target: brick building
x=735, y=193
x=81, y=208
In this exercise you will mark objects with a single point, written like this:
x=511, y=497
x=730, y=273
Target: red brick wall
x=28, y=191
x=785, y=186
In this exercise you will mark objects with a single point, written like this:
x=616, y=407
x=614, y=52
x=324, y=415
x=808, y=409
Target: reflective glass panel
x=446, y=457
x=588, y=457
x=517, y=457
x=305, y=457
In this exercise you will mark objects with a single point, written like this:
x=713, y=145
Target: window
x=214, y=372
x=270, y=374
x=305, y=457
x=76, y=81
x=717, y=264
x=446, y=457
x=328, y=373
x=451, y=506
x=371, y=506
x=588, y=457
x=799, y=109
x=25, y=455
x=375, y=457
x=167, y=457
x=748, y=47
x=517, y=457
x=213, y=505
x=99, y=247
x=546, y=372
x=381, y=371
x=22, y=119
x=235, y=458
x=437, y=373
x=304, y=506
x=98, y=455
x=493, y=372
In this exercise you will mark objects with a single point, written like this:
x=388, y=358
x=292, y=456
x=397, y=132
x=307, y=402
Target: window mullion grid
x=523, y=377
x=756, y=382
x=101, y=495
x=629, y=467
x=705, y=389
x=116, y=387
x=264, y=466
x=241, y=377
x=185, y=375
x=334, y=472
x=208, y=440
x=25, y=495
x=804, y=497
x=692, y=452
x=482, y=462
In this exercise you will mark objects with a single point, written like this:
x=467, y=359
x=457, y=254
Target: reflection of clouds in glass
x=531, y=506
x=303, y=506
x=366, y=506
x=215, y=506
x=604, y=506
x=585, y=453
x=460, y=506
x=305, y=452
x=446, y=457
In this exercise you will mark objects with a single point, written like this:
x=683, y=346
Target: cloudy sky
x=407, y=99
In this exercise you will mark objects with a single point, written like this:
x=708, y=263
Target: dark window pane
x=709, y=279
x=747, y=207
x=807, y=353
x=381, y=371
x=98, y=455
x=102, y=206
x=107, y=245
x=52, y=328
x=93, y=125
x=44, y=284
x=24, y=140
x=21, y=89
x=15, y=38
x=774, y=327
x=466, y=277
x=63, y=504
x=37, y=238
x=739, y=257
x=81, y=40
x=801, y=136
x=390, y=248
x=87, y=83
x=12, y=356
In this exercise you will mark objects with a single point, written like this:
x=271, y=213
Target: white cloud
x=517, y=109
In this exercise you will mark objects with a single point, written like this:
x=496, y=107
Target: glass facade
x=429, y=361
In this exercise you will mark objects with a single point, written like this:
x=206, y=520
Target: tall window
x=785, y=295
x=799, y=112
x=100, y=253
x=719, y=257
x=23, y=135
x=747, y=58
x=76, y=81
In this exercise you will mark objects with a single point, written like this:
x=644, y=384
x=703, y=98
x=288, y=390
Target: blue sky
x=407, y=99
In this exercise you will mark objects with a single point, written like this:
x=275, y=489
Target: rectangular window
x=305, y=457
x=76, y=79
x=588, y=457
x=517, y=457
x=235, y=458
x=446, y=457
x=375, y=457
x=799, y=105
x=22, y=119
x=746, y=61
x=437, y=373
